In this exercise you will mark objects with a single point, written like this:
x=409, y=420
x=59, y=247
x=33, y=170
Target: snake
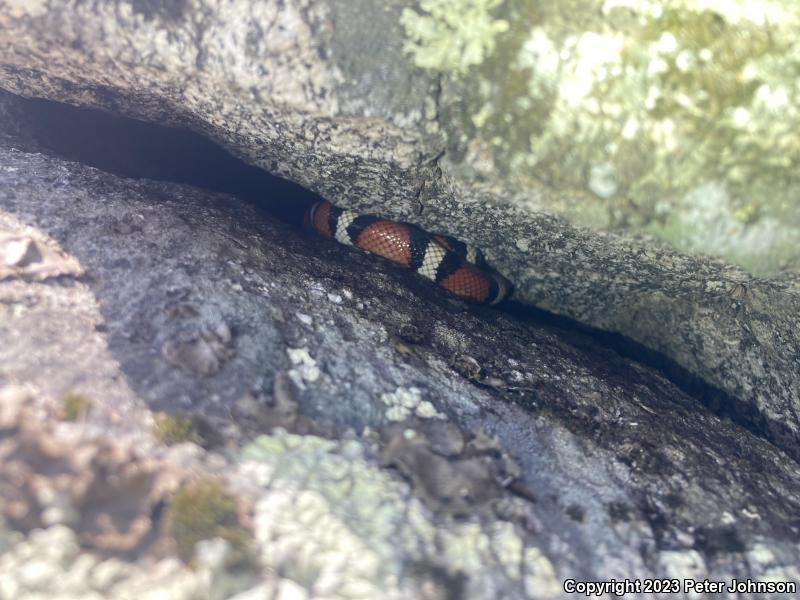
x=459, y=268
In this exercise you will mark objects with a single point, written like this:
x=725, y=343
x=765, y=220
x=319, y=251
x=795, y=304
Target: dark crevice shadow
x=714, y=399
x=130, y=148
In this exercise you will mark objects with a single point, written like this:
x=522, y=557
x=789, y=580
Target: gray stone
x=162, y=296
x=322, y=93
x=601, y=467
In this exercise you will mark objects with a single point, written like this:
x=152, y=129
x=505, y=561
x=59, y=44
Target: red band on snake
x=451, y=264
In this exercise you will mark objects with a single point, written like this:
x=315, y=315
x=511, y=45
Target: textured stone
x=323, y=93
x=570, y=460
x=48, y=481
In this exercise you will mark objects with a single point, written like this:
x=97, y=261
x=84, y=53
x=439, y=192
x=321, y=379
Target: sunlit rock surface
x=528, y=124
x=374, y=438
x=673, y=119
x=121, y=297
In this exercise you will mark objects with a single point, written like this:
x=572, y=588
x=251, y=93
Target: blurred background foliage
x=676, y=120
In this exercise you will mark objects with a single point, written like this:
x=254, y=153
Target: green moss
x=75, y=406
x=204, y=510
x=176, y=428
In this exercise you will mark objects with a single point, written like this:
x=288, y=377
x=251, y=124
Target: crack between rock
x=713, y=399
x=250, y=185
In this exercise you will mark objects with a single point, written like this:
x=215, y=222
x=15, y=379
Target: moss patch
x=75, y=406
x=176, y=428
x=204, y=510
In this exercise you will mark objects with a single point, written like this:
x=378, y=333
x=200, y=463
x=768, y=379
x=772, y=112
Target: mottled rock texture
x=322, y=92
x=675, y=119
x=520, y=455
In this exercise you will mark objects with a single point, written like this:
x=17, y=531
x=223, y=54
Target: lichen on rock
x=176, y=428
x=558, y=457
x=631, y=112
x=451, y=35
x=333, y=522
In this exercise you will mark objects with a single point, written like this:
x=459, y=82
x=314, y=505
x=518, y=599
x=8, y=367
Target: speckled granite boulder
x=375, y=438
x=375, y=106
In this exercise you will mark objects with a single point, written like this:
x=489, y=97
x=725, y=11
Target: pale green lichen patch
x=49, y=563
x=329, y=518
x=305, y=367
x=332, y=521
x=682, y=564
x=540, y=575
x=636, y=108
x=404, y=403
x=451, y=35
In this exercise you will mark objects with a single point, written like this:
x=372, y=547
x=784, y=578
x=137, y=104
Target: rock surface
x=361, y=416
x=322, y=93
x=521, y=455
x=673, y=119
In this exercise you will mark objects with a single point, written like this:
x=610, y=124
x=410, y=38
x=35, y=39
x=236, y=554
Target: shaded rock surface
x=520, y=454
x=323, y=94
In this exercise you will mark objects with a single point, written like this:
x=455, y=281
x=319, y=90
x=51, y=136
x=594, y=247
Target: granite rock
x=346, y=99
x=545, y=456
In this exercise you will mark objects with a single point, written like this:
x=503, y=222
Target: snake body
x=457, y=267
